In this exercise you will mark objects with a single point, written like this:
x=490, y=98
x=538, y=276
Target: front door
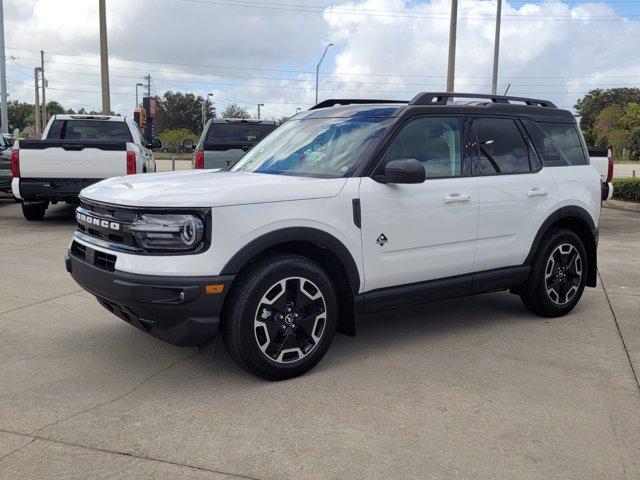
x=417, y=232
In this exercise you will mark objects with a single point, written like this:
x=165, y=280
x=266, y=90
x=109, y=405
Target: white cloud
x=270, y=49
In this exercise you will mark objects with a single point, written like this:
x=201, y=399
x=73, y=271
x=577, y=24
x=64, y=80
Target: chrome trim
x=98, y=242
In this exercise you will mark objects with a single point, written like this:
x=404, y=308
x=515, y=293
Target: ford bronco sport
x=351, y=207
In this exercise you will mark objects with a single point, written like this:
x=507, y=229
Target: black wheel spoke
x=286, y=318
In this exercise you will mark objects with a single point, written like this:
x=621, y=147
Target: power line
x=330, y=10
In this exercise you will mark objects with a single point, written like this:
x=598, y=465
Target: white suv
x=351, y=207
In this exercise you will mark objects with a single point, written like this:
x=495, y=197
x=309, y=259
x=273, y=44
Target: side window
x=502, y=147
x=434, y=142
x=55, y=132
x=565, y=137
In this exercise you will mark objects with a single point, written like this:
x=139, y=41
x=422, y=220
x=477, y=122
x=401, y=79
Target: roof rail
x=442, y=98
x=352, y=101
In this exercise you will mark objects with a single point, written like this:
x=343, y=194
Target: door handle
x=455, y=198
x=537, y=192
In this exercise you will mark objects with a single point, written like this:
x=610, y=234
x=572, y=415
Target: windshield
x=238, y=132
x=315, y=147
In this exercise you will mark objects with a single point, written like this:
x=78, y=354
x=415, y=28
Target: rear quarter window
x=557, y=143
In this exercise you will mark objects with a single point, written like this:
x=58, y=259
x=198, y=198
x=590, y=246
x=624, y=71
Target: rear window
x=557, y=143
x=89, y=130
x=238, y=132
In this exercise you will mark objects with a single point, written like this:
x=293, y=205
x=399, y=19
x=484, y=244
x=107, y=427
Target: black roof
x=442, y=101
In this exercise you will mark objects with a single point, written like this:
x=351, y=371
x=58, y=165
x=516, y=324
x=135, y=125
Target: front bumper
x=174, y=309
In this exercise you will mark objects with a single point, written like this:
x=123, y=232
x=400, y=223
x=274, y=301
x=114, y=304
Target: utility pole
x=451, y=67
x=318, y=69
x=496, y=50
x=4, y=113
x=37, y=104
x=259, y=105
x=104, y=58
x=44, y=96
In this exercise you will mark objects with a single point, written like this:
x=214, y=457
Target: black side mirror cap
x=187, y=144
x=404, y=170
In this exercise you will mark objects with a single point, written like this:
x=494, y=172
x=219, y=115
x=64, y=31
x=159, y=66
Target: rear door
x=516, y=193
x=419, y=232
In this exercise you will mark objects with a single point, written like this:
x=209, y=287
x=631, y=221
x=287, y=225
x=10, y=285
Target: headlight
x=168, y=232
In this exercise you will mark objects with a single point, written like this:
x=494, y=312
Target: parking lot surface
x=472, y=388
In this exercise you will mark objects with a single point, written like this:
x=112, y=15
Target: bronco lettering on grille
x=81, y=217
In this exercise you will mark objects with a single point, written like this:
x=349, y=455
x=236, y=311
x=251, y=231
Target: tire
x=34, y=211
x=281, y=317
x=558, y=275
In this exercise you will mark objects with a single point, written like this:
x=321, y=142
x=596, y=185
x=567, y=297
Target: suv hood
x=208, y=188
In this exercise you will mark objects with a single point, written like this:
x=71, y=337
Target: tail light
x=610, y=171
x=15, y=163
x=131, y=163
x=199, y=159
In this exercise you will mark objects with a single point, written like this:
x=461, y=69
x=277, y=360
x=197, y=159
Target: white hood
x=209, y=188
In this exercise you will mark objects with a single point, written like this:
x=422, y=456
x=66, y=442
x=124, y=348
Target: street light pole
x=104, y=59
x=318, y=68
x=138, y=85
x=204, y=115
x=451, y=66
x=496, y=49
x=36, y=91
x=259, y=105
x=44, y=95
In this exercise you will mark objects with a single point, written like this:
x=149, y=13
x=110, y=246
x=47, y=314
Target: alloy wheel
x=290, y=320
x=563, y=274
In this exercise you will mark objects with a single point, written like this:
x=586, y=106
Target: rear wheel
x=558, y=275
x=281, y=318
x=34, y=211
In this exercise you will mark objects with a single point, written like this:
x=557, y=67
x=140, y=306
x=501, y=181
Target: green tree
x=54, y=108
x=234, y=110
x=182, y=110
x=597, y=100
x=20, y=115
x=609, y=120
x=173, y=138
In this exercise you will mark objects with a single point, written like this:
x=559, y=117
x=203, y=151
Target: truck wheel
x=558, y=275
x=34, y=211
x=281, y=317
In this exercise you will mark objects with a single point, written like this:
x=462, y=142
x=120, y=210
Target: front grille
x=102, y=260
x=107, y=217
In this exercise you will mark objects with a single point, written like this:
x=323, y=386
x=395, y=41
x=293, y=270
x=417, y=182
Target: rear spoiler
x=73, y=145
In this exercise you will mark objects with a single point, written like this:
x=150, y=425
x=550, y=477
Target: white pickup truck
x=601, y=159
x=75, y=152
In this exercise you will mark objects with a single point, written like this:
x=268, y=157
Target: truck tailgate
x=72, y=159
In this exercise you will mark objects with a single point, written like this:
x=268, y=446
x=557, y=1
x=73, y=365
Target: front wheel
x=558, y=275
x=34, y=211
x=281, y=318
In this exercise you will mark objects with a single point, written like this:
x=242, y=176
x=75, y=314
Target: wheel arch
x=578, y=220
x=317, y=245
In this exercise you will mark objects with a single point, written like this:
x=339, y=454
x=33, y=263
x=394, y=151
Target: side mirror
x=156, y=143
x=187, y=144
x=404, y=170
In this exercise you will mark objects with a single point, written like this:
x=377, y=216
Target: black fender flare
x=582, y=215
x=295, y=234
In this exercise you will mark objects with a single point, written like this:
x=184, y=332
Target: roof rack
x=442, y=98
x=352, y=101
